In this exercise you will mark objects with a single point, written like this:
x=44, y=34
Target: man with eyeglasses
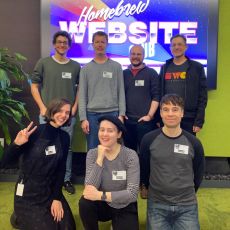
x=174, y=167
x=57, y=77
x=185, y=77
x=142, y=98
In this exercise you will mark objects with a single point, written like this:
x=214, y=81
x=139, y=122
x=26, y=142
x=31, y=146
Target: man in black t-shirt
x=185, y=77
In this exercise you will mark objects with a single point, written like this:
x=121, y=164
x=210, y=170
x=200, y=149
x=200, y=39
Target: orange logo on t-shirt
x=175, y=75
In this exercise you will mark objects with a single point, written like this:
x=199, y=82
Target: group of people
x=140, y=129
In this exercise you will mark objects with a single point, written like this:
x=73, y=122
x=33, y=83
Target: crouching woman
x=38, y=201
x=112, y=180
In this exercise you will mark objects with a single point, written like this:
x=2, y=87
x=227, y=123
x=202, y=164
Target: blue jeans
x=92, y=137
x=172, y=217
x=69, y=130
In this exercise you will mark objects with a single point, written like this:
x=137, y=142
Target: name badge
x=20, y=189
x=119, y=175
x=139, y=83
x=107, y=74
x=50, y=150
x=66, y=75
x=183, y=149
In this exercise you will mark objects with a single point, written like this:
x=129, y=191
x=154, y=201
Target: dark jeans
x=187, y=125
x=135, y=133
x=93, y=211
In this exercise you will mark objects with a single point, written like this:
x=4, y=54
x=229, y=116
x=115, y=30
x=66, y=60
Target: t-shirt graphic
x=175, y=79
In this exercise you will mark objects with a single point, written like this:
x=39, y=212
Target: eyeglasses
x=65, y=43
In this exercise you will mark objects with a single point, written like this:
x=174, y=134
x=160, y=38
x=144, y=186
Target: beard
x=137, y=64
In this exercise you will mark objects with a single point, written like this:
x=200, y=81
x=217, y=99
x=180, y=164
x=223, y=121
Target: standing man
x=174, y=161
x=101, y=90
x=186, y=78
x=142, y=100
x=57, y=77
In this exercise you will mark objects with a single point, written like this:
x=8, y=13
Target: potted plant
x=10, y=108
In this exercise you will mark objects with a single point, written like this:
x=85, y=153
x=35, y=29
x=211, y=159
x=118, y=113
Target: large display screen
x=150, y=23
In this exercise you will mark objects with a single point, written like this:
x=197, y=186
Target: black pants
x=93, y=211
x=187, y=124
x=29, y=217
x=135, y=132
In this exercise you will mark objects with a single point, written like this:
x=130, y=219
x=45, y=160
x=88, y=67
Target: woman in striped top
x=112, y=180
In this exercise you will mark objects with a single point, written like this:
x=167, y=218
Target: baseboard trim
x=215, y=184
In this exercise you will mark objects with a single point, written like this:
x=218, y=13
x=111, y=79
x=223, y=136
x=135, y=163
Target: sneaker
x=143, y=192
x=69, y=187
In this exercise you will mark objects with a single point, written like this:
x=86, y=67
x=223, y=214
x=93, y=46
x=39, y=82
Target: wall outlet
x=2, y=142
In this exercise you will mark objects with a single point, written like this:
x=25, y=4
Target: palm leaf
x=10, y=109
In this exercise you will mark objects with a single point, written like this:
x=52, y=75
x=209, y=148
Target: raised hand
x=101, y=151
x=23, y=136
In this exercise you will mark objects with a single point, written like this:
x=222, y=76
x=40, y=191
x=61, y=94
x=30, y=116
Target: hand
x=91, y=193
x=85, y=126
x=196, y=129
x=158, y=124
x=23, y=136
x=145, y=118
x=57, y=210
x=101, y=152
x=121, y=118
x=43, y=111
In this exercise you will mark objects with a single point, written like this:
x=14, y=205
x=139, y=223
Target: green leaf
x=10, y=109
x=5, y=130
x=1, y=152
x=4, y=80
x=20, y=57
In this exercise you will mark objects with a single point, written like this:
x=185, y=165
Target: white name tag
x=119, y=175
x=66, y=75
x=139, y=83
x=20, y=189
x=107, y=74
x=50, y=150
x=183, y=149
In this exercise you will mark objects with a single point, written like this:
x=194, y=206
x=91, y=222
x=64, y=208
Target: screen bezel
x=212, y=38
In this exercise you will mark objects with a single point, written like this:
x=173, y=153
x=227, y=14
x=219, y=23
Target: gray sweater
x=101, y=88
x=108, y=178
x=56, y=80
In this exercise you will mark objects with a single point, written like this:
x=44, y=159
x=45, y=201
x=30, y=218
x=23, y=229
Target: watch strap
x=103, y=196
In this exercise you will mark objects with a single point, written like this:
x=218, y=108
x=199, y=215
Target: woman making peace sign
x=39, y=202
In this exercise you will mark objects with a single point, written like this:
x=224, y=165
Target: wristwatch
x=103, y=196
